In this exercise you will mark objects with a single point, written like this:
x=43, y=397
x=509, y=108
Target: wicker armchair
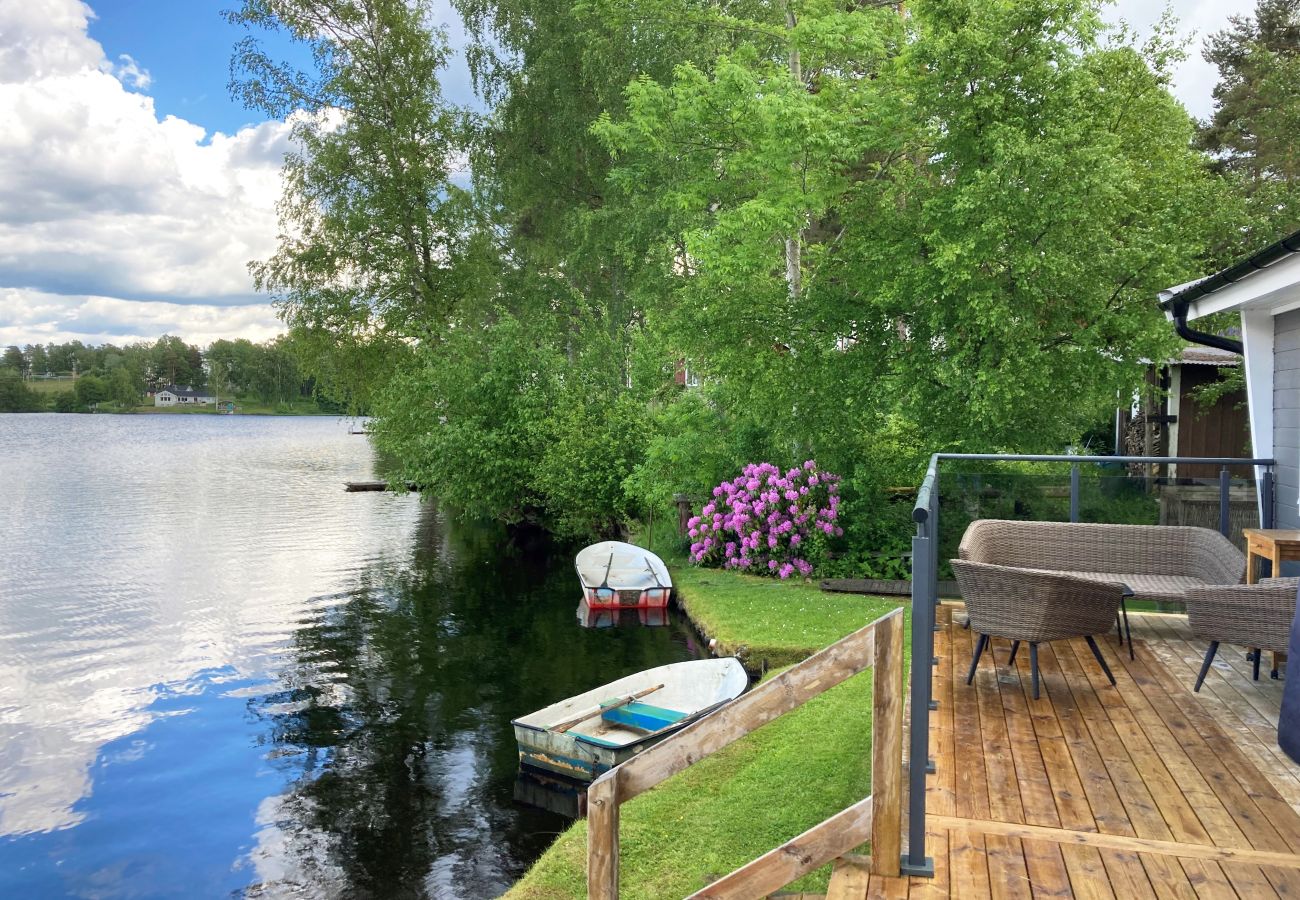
x=1034, y=607
x=1257, y=616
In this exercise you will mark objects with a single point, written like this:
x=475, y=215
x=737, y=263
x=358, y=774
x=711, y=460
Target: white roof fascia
x=1271, y=289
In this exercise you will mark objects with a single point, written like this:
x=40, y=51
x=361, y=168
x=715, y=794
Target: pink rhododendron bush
x=768, y=522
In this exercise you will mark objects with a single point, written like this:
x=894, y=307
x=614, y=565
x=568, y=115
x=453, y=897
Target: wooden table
x=1277, y=545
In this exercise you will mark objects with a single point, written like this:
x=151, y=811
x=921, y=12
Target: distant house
x=177, y=395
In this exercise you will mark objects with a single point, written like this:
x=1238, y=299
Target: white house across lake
x=174, y=395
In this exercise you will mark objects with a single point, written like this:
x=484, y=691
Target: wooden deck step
x=849, y=879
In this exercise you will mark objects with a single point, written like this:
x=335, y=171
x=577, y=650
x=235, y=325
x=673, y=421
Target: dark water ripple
x=222, y=676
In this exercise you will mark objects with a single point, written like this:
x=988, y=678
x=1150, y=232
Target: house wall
x=1286, y=417
x=1218, y=429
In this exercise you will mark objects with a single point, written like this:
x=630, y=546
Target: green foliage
x=873, y=235
x=694, y=444
x=464, y=418
x=1255, y=130
x=92, y=389
x=67, y=402
x=370, y=217
x=588, y=447
x=15, y=396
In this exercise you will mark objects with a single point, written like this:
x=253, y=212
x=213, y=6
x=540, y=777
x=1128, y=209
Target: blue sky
x=185, y=45
x=134, y=191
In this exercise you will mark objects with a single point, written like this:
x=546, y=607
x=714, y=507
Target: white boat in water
x=583, y=736
x=615, y=574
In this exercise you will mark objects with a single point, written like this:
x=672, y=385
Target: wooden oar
x=600, y=708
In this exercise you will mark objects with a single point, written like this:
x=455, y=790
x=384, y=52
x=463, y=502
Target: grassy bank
x=242, y=408
x=765, y=788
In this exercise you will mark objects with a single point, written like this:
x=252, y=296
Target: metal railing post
x=934, y=566
x=924, y=598
x=1266, y=499
x=1074, y=492
x=1224, y=483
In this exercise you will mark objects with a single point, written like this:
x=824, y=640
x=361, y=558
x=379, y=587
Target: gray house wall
x=1286, y=417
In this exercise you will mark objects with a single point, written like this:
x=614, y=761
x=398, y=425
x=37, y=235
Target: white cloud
x=130, y=73
x=100, y=198
x=36, y=317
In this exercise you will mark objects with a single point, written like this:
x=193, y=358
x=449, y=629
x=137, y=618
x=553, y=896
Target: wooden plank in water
x=353, y=487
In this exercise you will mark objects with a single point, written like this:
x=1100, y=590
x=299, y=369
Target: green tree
x=371, y=216
x=15, y=396
x=66, y=402
x=37, y=361
x=986, y=205
x=13, y=359
x=1254, y=132
x=92, y=389
x=123, y=389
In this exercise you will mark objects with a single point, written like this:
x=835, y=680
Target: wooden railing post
x=887, y=748
x=602, y=838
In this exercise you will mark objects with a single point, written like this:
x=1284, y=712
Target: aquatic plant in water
x=768, y=522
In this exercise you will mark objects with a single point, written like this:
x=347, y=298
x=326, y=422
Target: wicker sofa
x=1155, y=562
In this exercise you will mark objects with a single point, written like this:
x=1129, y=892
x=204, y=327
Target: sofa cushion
x=1146, y=587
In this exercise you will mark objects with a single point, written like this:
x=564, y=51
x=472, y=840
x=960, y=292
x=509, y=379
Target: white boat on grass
x=615, y=574
x=589, y=734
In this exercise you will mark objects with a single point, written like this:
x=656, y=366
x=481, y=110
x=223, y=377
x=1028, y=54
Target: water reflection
x=219, y=674
x=610, y=618
x=416, y=792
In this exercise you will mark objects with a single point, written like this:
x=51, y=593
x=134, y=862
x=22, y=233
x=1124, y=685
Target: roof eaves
x=1186, y=293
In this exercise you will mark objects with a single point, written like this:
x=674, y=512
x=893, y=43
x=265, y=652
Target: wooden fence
x=877, y=819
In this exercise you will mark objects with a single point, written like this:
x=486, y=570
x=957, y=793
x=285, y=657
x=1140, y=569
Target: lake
x=220, y=675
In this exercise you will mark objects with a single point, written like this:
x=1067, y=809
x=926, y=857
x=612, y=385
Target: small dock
x=353, y=487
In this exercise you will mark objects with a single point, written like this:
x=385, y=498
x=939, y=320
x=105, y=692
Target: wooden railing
x=877, y=819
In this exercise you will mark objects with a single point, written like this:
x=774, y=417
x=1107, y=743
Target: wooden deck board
x=1138, y=790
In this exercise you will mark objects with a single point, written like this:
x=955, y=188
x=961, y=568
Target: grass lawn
x=50, y=385
x=762, y=790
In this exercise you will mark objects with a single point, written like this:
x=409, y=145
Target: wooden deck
x=1140, y=790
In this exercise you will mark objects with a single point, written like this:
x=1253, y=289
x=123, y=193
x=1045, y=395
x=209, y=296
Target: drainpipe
x=1186, y=332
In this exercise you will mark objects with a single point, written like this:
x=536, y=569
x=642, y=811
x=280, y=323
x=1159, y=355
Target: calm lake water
x=220, y=675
